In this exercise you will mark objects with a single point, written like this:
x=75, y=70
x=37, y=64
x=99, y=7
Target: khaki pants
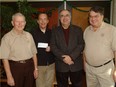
x=46, y=76
x=100, y=76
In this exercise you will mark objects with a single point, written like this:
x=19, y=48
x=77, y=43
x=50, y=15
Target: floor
x=84, y=82
x=4, y=84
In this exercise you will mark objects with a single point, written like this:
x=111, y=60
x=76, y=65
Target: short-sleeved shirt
x=100, y=45
x=17, y=47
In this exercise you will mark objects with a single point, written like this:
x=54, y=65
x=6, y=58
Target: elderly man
x=18, y=52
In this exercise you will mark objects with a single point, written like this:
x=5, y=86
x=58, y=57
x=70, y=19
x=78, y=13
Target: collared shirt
x=100, y=45
x=66, y=35
x=17, y=46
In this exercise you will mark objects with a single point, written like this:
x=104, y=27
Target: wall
x=78, y=17
x=114, y=12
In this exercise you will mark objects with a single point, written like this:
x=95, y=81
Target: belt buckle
x=22, y=61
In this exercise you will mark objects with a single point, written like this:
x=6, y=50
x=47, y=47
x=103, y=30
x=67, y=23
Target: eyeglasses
x=67, y=15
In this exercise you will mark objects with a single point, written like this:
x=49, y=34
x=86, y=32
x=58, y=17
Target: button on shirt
x=100, y=44
x=17, y=46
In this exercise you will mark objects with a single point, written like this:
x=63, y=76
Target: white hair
x=17, y=14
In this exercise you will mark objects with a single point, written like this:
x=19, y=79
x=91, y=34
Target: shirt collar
x=91, y=28
x=16, y=34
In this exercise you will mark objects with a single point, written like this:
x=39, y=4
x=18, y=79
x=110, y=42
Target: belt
x=103, y=64
x=21, y=61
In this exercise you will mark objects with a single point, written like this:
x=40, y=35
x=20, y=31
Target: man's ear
x=48, y=21
x=12, y=23
x=37, y=21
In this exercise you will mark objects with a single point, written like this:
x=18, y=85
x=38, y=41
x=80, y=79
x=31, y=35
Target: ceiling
x=46, y=0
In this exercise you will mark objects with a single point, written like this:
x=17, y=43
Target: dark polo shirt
x=44, y=58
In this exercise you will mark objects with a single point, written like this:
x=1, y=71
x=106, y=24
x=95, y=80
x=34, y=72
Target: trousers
x=100, y=76
x=46, y=76
x=23, y=73
x=75, y=78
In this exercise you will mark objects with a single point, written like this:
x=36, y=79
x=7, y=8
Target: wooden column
x=113, y=12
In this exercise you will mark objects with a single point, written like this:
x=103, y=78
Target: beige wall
x=49, y=0
x=80, y=18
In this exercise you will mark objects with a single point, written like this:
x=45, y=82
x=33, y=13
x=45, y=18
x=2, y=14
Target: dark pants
x=23, y=73
x=75, y=78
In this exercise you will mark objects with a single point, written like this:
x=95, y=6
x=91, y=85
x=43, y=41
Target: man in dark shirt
x=67, y=45
x=42, y=37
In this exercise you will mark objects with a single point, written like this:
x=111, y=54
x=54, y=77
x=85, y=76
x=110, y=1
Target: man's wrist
x=36, y=68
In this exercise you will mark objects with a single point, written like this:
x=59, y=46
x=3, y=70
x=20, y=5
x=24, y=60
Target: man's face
x=95, y=19
x=19, y=23
x=43, y=21
x=65, y=17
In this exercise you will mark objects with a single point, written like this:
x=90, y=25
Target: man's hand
x=10, y=81
x=67, y=59
x=48, y=49
x=36, y=73
x=114, y=75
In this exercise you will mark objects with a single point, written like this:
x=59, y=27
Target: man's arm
x=84, y=60
x=10, y=79
x=114, y=76
x=35, y=66
x=54, y=48
x=80, y=45
x=115, y=58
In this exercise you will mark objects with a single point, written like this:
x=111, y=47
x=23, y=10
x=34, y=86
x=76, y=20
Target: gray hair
x=17, y=14
x=64, y=10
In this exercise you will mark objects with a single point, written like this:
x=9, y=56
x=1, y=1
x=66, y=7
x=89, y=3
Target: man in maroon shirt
x=67, y=45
